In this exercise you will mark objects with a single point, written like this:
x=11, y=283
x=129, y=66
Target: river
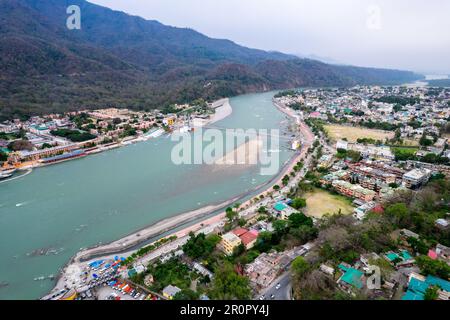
x=48, y=215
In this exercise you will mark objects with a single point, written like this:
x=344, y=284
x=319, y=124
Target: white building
x=416, y=178
x=341, y=144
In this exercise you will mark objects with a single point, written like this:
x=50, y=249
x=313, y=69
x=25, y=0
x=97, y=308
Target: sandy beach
x=222, y=108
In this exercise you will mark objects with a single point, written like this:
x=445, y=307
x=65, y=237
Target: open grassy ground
x=411, y=143
x=409, y=151
x=337, y=132
x=320, y=203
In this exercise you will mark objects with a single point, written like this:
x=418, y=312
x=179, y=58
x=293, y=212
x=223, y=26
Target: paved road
x=283, y=293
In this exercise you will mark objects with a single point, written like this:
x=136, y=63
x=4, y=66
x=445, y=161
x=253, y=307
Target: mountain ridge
x=126, y=61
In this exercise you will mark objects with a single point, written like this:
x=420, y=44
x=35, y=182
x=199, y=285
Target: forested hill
x=126, y=61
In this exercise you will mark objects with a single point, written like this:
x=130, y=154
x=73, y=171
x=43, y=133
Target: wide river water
x=48, y=215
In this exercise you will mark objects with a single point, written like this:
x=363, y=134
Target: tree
x=354, y=155
x=299, y=219
x=300, y=267
x=393, y=185
x=242, y=222
x=276, y=187
x=264, y=242
x=228, y=285
x=262, y=210
x=186, y=294
x=3, y=156
x=303, y=233
x=398, y=211
x=298, y=203
x=231, y=214
x=280, y=226
x=240, y=249
x=19, y=145
x=200, y=246
x=418, y=245
x=424, y=141
x=431, y=293
x=433, y=267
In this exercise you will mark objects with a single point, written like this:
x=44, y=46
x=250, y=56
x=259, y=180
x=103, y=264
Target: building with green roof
x=418, y=287
x=351, y=277
x=280, y=206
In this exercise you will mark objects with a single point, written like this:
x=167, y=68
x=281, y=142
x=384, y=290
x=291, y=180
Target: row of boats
x=42, y=278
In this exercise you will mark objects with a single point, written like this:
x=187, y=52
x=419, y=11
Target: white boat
x=9, y=171
x=6, y=173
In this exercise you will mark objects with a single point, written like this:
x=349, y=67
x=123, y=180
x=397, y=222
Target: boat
x=6, y=173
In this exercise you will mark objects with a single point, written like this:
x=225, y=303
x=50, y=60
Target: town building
x=361, y=212
x=416, y=178
x=266, y=268
x=283, y=210
x=248, y=237
x=229, y=242
x=45, y=153
x=350, y=279
x=353, y=190
x=418, y=285
x=442, y=224
x=170, y=291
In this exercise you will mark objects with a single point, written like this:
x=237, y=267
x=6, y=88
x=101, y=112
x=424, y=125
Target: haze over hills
x=126, y=61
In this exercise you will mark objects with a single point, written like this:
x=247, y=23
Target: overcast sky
x=404, y=34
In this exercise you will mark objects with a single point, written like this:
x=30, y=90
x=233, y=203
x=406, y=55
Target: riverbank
x=223, y=110
x=221, y=107
x=169, y=225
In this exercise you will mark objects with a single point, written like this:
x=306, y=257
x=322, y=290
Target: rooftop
x=351, y=276
x=418, y=287
x=171, y=290
x=249, y=237
x=230, y=237
x=239, y=231
x=280, y=206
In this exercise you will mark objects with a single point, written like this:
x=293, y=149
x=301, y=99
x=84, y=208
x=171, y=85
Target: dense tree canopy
x=200, y=246
x=228, y=285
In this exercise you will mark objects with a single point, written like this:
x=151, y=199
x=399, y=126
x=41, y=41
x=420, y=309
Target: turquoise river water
x=48, y=215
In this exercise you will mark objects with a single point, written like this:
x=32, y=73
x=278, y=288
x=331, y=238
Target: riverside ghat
x=101, y=198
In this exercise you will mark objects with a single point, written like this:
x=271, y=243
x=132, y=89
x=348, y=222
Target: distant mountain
x=439, y=83
x=319, y=58
x=126, y=61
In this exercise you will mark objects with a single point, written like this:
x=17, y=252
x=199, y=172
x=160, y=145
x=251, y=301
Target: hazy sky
x=404, y=34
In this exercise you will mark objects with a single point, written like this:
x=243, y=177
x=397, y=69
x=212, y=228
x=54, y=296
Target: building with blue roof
x=280, y=206
x=351, y=277
x=418, y=286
